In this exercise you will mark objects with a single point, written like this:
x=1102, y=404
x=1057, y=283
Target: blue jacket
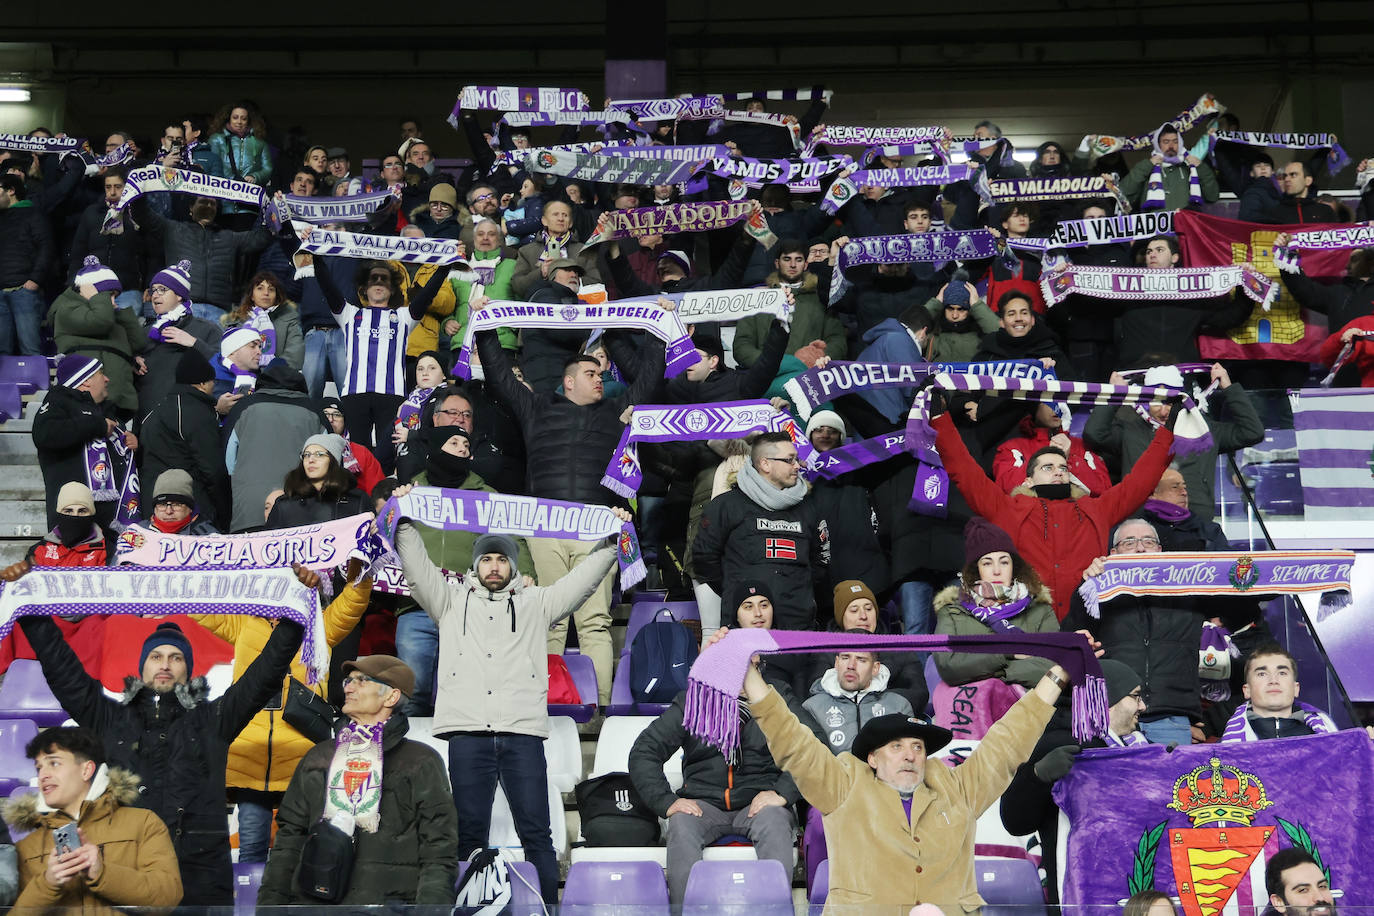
x=890, y=342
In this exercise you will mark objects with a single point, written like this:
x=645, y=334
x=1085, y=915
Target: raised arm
x=260, y=682
x=79, y=694
x=496, y=368
x=328, y=288
x=428, y=586
x=1137, y=486
x=419, y=303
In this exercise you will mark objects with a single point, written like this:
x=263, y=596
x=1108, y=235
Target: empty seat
x=502, y=832
x=28, y=373
x=757, y=888
x=633, y=888
x=563, y=752
x=820, y=886
x=525, y=897
x=1011, y=887
x=618, y=734
x=11, y=402
x=584, y=677
x=247, y=883
x=16, y=769
x=25, y=695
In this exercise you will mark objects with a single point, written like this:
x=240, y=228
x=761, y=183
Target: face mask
x=444, y=469
x=73, y=529
x=1052, y=490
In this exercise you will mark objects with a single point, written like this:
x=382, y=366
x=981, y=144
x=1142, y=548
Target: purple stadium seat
x=644, y=612
x=1277, y=487
x=15, y=768
x=525, y=899
x=622, y=701
x=247, y=882
x=584, y=677
x=25, y=695
x=820, y=886
x=633, y=888
x=11, y=402
x=738, y=888
x=1011, y=887
x=30, y=373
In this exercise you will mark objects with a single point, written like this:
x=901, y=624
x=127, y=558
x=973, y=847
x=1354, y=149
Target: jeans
x=476, y=763
x=326, y=356
x=918, y=611
x=255, y=831
x=21, y=310
x=1168, y=730
x=131, y=299
x=771, y=831
x=417, y=644
x=211, y=313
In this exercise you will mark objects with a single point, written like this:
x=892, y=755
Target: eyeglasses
x=333, y=414
x=788, y=459
x=358, y=680
x=158, y=290
x=1132, y=543
x=457, y=414
x=314, y=453
x=481, y=197
x=439, y=205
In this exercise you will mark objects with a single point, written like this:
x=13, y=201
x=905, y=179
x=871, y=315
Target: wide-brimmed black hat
x=882, y=729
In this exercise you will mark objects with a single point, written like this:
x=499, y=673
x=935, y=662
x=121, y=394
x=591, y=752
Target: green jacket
x=97, y=328
x=413, y=856
x=1176, y=192
x=499, y=289
x=960, y=348
x=810, y=321
x=964, y=667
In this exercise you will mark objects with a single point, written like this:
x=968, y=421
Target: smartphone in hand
x=66, y=839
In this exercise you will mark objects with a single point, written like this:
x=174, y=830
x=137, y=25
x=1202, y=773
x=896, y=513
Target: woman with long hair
x=317, y=160
x=998, y=592
x=265, y=300
x=318, y=489
x=238, y=137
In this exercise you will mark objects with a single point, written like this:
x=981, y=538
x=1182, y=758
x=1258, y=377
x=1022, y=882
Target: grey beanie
x=503, y=544
x=331, y=443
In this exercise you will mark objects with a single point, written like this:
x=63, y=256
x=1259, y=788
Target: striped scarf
x=1238, y=726
x=1154, y=190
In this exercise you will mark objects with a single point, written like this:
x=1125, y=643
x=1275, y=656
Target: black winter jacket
x=1341, y=302
x=726, y=384
x=567, y=446
x=66, y=422
x=126, y=253
x=212, y=251
x=162, y=359
x=544, y=351
x=498, y=451
x=182, y=431
x=739, y=539
x=853, y=525
x=26, y=245
x=1172, y=326
x=289, y=512
x=178, y=744
x=705, y=773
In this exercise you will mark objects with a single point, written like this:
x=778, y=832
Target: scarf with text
x=919, y=248
x=1337, y=159
x=912, y=139
x=353, y=790
x=1158, y=283
x=100, y=477
x=152, y=178
x=846, y=187
x=517, y=98
x=672, y=218
x=683, y=108
x=343, y=244
x=355, y=208
x=726, y=306
x=567, y=118
x=640, y=316
x=23, y=143
x=138, y=590
x=1110, y=230
x=1062, y=188
x=717, y=676
x=814, y=387
x=930, y=496
x=391, y=579
x=1271, y=572
x=610, y=169
x=692, y=423
x=1104, y=144
x=322, y=546
x=1288, y=258
x=523, y=516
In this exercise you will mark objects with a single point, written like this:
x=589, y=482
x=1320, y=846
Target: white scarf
x=353, y=793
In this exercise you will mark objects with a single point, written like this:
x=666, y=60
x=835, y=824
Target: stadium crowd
x=255, y=382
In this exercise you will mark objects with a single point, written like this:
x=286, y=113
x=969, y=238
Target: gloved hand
x=1054, y=765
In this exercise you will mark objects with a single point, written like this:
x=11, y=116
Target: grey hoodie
x=841, y=713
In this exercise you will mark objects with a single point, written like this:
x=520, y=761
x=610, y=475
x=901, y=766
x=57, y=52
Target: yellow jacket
x=139, y=864
x=425, y=335
x=877, y=857
x=265, y=754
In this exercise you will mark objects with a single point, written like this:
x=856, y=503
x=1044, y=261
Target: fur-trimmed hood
x=949, y=597
x=110, y=789
x=189, y=695
x=809, y=281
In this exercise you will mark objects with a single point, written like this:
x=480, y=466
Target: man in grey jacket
x=491, y=690
x=849, y=694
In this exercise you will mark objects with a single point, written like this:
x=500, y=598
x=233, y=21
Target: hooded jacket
x=1176, y=178
x=840, y=713
x=413, y=856
x=493, y=672
x=178, y=742
x=959, y=346
x=706, y=774
x=182, y=431
x=139, y=865
x=1058, y=537
x=953, y=619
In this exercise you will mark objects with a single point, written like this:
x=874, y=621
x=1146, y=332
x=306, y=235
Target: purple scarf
x=857, y=455
x=809, y=389
x=1237, y=727
x=717, y=676
x=408, y=415
x=517, y=98
x=1158, y=283
x=1166, y=511
x=100, y=477
x=995, y=616
x=669, y=219
x=693, y=423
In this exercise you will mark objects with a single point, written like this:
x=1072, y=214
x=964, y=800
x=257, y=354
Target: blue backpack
x=660, y=657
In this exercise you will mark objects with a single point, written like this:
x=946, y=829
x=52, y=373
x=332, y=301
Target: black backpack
x=613, y=814
x=660, y=657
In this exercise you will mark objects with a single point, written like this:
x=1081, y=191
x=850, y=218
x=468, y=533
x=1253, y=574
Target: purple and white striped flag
x=1335, y=434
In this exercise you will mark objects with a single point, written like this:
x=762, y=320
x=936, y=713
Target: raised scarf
x=168, y=318
x=355, y=208
x=798, y=94
x=814, y=387
x=683, y=108
x=610, y=169
x=100, y=477
x=744, y=172
x=353, y=792
x=1338, y=159
x=717, y=676
x=639, y=316
x=322, y=546
x=1067, y=188
x=914, y=139
x=725, y=306
x=692, y=423
x=846, y=187
x=599, y=119
x=1157, y=283
x=931, y=491
x=517, y=98
x=1288, y=257
x=1104, y=144
x=137, y=590
x=23, y=143
x=785, y=121
x=1109, y=230
x=1222, y=572
x=1238, y=726
x=996, y=614
x=672, y=218
x=1347, y=351
x=918, y=248
x=523, y=516
x=151, y=178
x=1154, y=188
x=857, y=455
x=343, y=244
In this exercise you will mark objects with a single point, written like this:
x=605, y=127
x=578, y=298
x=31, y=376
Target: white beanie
x=238, y=337
x=1164, y=375
x=826, y=418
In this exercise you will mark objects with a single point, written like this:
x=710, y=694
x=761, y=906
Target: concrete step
x=17, y=448
x=23, y=518
x=20, y=482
